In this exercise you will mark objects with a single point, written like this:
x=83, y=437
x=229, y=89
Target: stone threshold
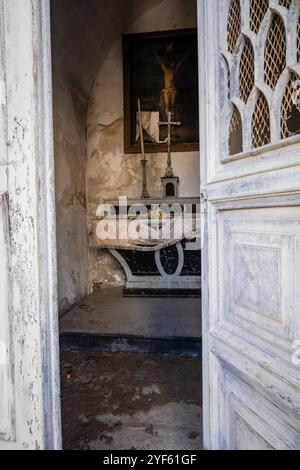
x=133, y=344
x=170, y=293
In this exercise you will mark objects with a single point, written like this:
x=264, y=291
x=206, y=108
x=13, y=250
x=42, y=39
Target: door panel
x=241, y=391
x=250, y=177
x=246, y=428
x=257, y=266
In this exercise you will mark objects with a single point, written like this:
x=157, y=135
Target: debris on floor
x=123, y=401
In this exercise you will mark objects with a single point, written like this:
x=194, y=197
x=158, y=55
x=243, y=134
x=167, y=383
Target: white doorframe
x=33, y=314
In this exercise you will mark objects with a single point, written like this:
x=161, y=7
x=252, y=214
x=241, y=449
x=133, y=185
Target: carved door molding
x=250, y=170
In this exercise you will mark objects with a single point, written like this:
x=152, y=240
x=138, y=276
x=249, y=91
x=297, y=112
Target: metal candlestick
x=169, y=171
x=145, y=194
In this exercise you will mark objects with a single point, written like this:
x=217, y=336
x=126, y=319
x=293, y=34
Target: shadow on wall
x=84, y=31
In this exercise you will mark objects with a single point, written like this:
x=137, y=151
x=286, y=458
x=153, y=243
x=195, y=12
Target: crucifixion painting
x=162, y=70
x=169, y=70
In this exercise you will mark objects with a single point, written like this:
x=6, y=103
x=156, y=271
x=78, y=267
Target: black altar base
x=174, y=271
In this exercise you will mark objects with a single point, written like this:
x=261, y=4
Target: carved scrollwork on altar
x=159, y=249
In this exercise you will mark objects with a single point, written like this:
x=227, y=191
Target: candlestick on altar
x=145, y=194
x=169, y=171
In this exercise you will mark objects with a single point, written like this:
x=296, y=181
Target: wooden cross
x=170, y=124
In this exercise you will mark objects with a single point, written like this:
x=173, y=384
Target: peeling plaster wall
x=111, y=173
x=70, y=173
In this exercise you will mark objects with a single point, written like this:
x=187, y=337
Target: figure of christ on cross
x=169, y=91
x=170, y=124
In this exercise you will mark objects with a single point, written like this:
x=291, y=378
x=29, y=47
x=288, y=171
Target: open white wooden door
x=29, y=368
x=250, y=154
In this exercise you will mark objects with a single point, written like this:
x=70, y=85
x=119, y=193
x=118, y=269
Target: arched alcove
x=170, y=190
x=83, y=33
x=110, y=172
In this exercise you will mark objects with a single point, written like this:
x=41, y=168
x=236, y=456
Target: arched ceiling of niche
x=83, y=32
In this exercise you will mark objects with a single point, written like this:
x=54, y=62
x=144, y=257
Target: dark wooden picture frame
x=148, y=60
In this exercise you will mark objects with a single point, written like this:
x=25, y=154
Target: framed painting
x=161, y=69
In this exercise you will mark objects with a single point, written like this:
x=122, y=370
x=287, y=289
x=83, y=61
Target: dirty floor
x=124, y=401
x=107, y=312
